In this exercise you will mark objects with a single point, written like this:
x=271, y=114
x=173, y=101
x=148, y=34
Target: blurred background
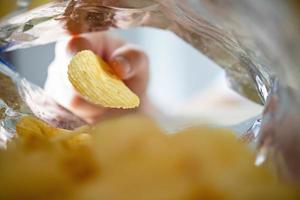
x=183, y=84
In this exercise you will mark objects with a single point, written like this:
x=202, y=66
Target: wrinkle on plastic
x=19, y=98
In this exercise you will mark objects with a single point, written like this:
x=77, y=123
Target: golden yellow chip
x=98, y=162
x=29, y=127
x=95, y=80
x=33, y=131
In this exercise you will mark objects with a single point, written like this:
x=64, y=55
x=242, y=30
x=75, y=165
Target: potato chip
x=33, y=131
x=96, y=81
x=132, y=158
x=29, y=127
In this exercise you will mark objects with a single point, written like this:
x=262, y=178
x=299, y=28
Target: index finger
x=100, y=43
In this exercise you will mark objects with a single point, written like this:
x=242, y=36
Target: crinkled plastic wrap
x=256, y=42
x=18, y=98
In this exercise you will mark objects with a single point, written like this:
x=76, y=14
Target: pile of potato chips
x=131, y=158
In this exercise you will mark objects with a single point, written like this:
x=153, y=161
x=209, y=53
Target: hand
x=128, y=61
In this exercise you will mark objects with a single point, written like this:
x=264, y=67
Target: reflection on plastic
x=18, y=97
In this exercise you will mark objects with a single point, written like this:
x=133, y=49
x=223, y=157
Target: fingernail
x=121, y=66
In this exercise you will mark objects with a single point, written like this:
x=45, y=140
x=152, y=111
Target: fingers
x=128, y=61
x=87, y=111
x=131, y=64
x=100, y=43
x=77, y=44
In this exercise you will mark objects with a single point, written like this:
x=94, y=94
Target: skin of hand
x=128, y=61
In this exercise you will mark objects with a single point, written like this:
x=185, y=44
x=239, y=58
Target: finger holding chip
x=131, y=64
x=128, y=62
x=95, y=80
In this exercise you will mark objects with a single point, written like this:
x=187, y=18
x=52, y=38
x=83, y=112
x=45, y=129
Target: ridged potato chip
x=96, y=81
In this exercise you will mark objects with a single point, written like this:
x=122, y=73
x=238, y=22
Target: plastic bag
x=256, y=42
x=18, y=97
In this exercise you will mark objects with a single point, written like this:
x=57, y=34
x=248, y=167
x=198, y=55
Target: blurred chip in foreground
x=131, y=158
